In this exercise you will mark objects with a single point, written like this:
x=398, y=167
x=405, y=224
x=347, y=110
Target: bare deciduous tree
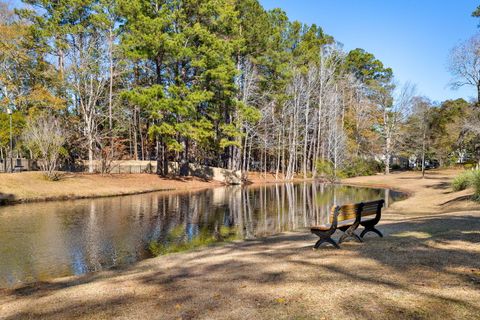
x=393, y=111
x=46, y=137
x=88, y=73
x=464, y=64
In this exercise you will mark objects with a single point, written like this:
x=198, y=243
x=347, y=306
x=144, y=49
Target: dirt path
x=426, y=267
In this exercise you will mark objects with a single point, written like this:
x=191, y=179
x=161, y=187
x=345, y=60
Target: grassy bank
x=426, y=267
x=32, y=186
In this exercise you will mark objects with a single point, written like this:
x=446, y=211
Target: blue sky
x=414, y=37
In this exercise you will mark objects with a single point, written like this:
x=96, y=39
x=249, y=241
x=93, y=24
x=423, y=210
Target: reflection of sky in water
x=41, y=241
x=192, y=230
x=78, y=262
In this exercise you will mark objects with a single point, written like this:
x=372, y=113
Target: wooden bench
x=347, y=218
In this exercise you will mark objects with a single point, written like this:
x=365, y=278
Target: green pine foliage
x=219, y=82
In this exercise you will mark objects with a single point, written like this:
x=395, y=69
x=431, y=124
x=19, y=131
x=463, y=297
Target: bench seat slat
x=321, y=227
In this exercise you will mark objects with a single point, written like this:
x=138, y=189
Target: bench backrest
x=345, y=212
x=349, y=211
x=372, y=208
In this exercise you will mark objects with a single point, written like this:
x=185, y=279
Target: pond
x=42, y=241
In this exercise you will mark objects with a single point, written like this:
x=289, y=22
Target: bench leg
x=347, y=235
x=373, y=229
x=329, y=240
x=357, y=237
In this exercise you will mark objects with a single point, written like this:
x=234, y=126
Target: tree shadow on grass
x=440, y=186
x=75, y=310
x=414, y=272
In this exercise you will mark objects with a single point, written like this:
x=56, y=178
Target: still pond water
x=42, y=241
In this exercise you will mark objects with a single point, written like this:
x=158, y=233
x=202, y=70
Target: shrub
x=475, y=183
x=45, y=137
x=326, y=170
x=362, y=167
x=463, y=180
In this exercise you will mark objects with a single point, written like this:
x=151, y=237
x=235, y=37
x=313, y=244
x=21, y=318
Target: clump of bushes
x=463, y=180
x=362, y=167
x=355, y=168
x=327, y=170
x=468, y=179
x=476, y=185
x=471, y=165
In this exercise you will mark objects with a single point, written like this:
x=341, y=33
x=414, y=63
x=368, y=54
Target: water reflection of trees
x=41, y=241
x=284, y=207
x=255, y=211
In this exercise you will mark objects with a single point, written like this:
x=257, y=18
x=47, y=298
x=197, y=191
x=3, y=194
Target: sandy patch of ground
x=426, y=267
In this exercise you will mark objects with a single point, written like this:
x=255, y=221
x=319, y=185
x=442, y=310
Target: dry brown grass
x=426, y=267
x=32, y=186
x=429, y=196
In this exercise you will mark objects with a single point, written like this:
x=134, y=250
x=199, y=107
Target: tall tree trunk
x=165, y=159
x=184, y=164
x=135, y=137
x=319, y=129
x=142, y=145
x=478, y=94
x=388, y=155
x=266, y=160
x=110, y=90
x=90, y=153
x=279, y=154
x=423, y=150
x=305, y=139
x=159, y=163
x=244, y=161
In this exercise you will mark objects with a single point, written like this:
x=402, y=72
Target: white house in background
x=462, y=156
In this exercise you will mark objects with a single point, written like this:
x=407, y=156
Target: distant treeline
x=217, y=82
